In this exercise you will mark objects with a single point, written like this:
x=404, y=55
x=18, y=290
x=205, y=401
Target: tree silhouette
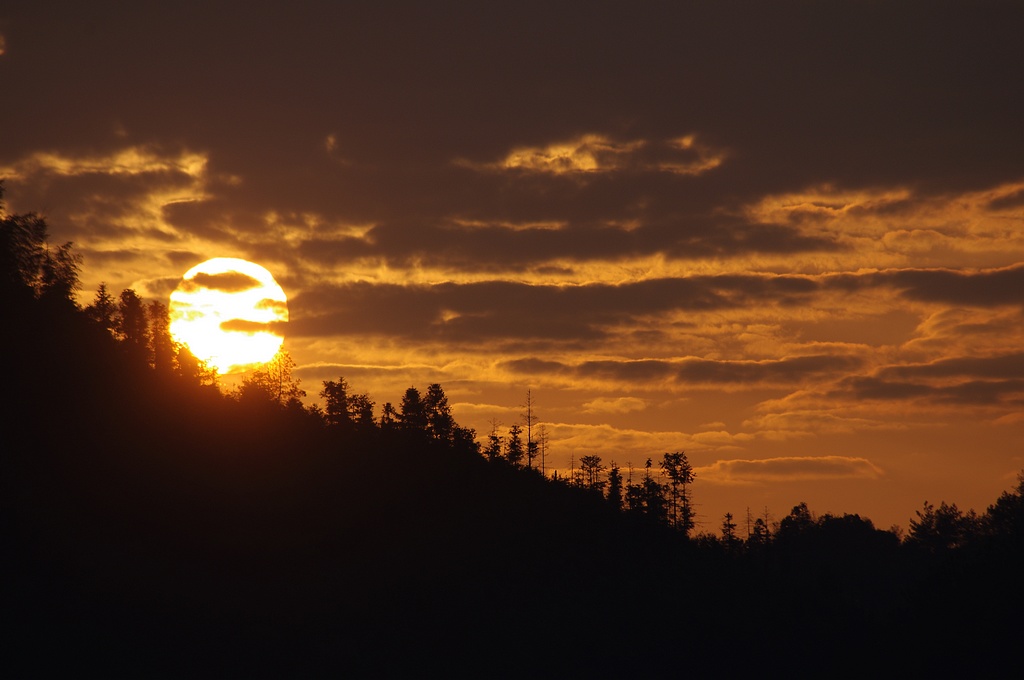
x=336, y=406
x=440, y=423
x=389, y=417
x=938, y=530
x=797, y=523
x=273, y=382
x=681, y=475
x=360, y=409
x=494, y=443
x=132, y=325
x=29, y=268
x=161, y=345
x=412, y=413
x=103, y=309
x=759, y=535
x=530, y=419
x=648, y=496
x=615, y=485
x=1005, y=518
x=58, y=280
x=729, y=538
x=514, y=446
x=590, y=471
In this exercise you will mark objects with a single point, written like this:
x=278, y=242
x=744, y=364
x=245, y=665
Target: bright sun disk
x=228, y=312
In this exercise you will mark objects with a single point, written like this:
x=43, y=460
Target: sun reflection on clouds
x=133, y=160
x=593, y=153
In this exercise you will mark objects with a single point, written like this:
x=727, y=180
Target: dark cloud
x=482, y=310
x=252, y=327
x=627, y=371
x=985, y=288
x=971, y=392
x=534, y=366
x=279, y=306
x=506, y=309
x=999, y=367
x=722, y=372
x=1008, y=202
x=226, y=282
x=496, y=247
x=787, y=370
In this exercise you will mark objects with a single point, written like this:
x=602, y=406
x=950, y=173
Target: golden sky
x=787, y=238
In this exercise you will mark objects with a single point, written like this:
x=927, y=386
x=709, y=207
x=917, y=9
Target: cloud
x=807, y=416
x=787, y=370
x=252, y=327
x=788, y=469
x=225, y=282
x=533, y=366
x=971, y=392
x=988, y=288
x=630, y=371
x=1003, y=366
x=614, y=405
x=598, y=153
x=128, y=161
x=693, y=370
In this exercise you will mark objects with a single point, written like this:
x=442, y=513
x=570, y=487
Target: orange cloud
x=597, y=153
x=788, y=469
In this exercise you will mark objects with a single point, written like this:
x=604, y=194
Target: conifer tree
x=591, y=469
x=132, y=324
x=161, y=346
x=103, y=309
x=439, y=414
x=336, y=403
x=494, y=443
x=615, y=485
x=680, y=474
x=412, y=414
x=514, y=445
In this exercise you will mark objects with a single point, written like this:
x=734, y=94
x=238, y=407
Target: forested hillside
x=156, y=524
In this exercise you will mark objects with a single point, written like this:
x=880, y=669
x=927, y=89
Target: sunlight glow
x=229, y=312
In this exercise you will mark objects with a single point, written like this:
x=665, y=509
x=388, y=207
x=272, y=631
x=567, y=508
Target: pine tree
x=591, y=469
x=440, y=422
x=132, y=324
x=103, y=309
x=615, y=485
x=412, y=412
x=680, y=474
x=336, y=403
x=514, y=445
x=161, y=345
x=494, y=443
x=729, y=538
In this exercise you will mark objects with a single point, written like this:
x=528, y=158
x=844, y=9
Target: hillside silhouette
x=155, y=525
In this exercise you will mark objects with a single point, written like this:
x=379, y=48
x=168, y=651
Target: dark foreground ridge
x=154, y=526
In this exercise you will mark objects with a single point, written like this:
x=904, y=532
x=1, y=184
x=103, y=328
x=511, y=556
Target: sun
x=229, y=313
